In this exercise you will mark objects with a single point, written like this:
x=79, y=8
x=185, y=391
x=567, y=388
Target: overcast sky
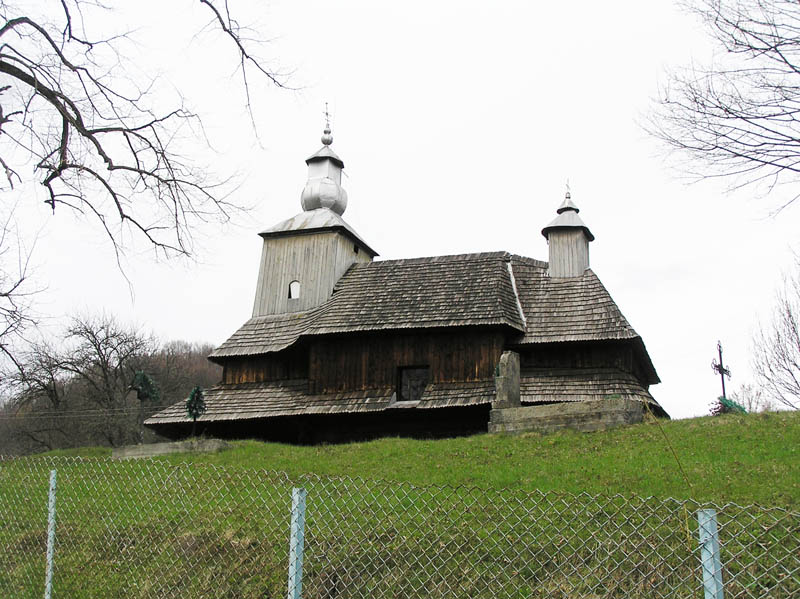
x=459, y=124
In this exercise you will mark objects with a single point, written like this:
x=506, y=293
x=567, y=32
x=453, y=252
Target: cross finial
x=568, y=195
x=327, y=138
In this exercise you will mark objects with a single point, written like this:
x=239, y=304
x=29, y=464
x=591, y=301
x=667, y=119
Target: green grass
x=478, y=517
x=739, y=458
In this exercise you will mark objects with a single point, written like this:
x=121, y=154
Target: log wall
x=601, y=354
x=371, y=361
x=285, y=365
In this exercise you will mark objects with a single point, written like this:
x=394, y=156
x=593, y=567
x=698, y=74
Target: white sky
x=459, y=123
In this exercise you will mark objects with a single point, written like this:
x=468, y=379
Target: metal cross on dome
x=720, y=368
x=327, y=117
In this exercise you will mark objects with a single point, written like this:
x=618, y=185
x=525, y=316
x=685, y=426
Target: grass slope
x=175, y=527
x=743, y=459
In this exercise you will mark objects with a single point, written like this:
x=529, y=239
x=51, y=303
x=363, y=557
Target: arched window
x=294, y=289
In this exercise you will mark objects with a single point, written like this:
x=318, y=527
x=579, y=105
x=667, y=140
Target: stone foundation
x=154, y=449
x=584, y=416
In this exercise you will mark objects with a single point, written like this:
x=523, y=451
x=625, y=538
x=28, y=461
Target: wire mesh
x=152, y=528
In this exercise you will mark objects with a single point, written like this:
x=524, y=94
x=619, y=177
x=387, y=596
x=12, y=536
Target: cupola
x=324, y=186
x=568, y=241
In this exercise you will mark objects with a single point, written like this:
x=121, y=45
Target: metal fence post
x=296, y=542
x=709, y=554
x=51, y=536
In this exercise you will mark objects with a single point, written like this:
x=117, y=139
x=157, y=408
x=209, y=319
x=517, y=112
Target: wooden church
x=342, y=346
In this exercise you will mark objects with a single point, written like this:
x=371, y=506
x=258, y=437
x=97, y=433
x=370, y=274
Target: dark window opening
x=411, y=382
x=355, y=248
x=294, y=289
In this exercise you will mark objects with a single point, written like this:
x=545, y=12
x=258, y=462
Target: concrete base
x=154, y=449
x=584, y=416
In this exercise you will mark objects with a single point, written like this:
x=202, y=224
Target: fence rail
x=149, y=528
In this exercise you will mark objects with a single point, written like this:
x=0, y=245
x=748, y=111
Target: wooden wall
x=371, y=361
x=288, y=364
x=621, y=354
x=568, y=253
x=615, y=354
x=316, y=260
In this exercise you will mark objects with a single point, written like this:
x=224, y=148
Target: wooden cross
x=720, y=368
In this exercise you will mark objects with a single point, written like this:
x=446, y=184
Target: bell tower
x=303, y=257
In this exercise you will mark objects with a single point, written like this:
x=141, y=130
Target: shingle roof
x=265, y=334
x=460, y=290
x=580, y=384
x=573, y=309
x=445, y=291
x=291, y=398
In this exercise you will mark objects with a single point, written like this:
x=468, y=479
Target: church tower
x=303, y=257
x=568, y=242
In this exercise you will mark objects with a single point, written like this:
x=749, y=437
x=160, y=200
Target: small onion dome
x=324, y=186
x=567, y=219
x=327, y=138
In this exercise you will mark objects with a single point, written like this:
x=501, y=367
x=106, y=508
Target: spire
x=324, y=186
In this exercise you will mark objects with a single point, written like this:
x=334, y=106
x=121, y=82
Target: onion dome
x=324, y=186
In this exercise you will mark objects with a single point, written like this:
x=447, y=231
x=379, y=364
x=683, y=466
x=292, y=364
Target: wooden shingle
x=291, y=398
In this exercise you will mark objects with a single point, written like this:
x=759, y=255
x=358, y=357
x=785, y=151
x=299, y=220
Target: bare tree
x=76, y=115
x=88, y=389
x=738, y=117
x=103, y=363
x=15, y=289
x=179, y=366
x=752, y=398
x=68, y=100
x=776, y=346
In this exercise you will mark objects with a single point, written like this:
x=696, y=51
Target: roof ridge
x=433, y=259
x=528, y=260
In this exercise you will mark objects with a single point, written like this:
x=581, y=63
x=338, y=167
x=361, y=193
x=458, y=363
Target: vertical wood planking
x=316, y=259
x=568, y=253
x=370, y=361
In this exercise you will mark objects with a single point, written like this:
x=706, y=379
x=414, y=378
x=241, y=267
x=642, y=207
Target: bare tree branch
x=111, y=152
x=740, y=117
x=776, y=346
x=71, y=106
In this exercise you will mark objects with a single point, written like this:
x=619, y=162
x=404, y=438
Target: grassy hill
x=140, y=528
x=743, y=459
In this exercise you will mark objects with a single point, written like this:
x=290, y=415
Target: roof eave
x=546, y=231
x=334, y=228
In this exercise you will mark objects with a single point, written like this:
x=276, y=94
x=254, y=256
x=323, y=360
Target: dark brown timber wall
x=371, y=361
x=616, y=354
x=288, y=364
x=612, y=354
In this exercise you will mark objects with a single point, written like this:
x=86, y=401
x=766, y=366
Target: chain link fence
x=150, y=528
